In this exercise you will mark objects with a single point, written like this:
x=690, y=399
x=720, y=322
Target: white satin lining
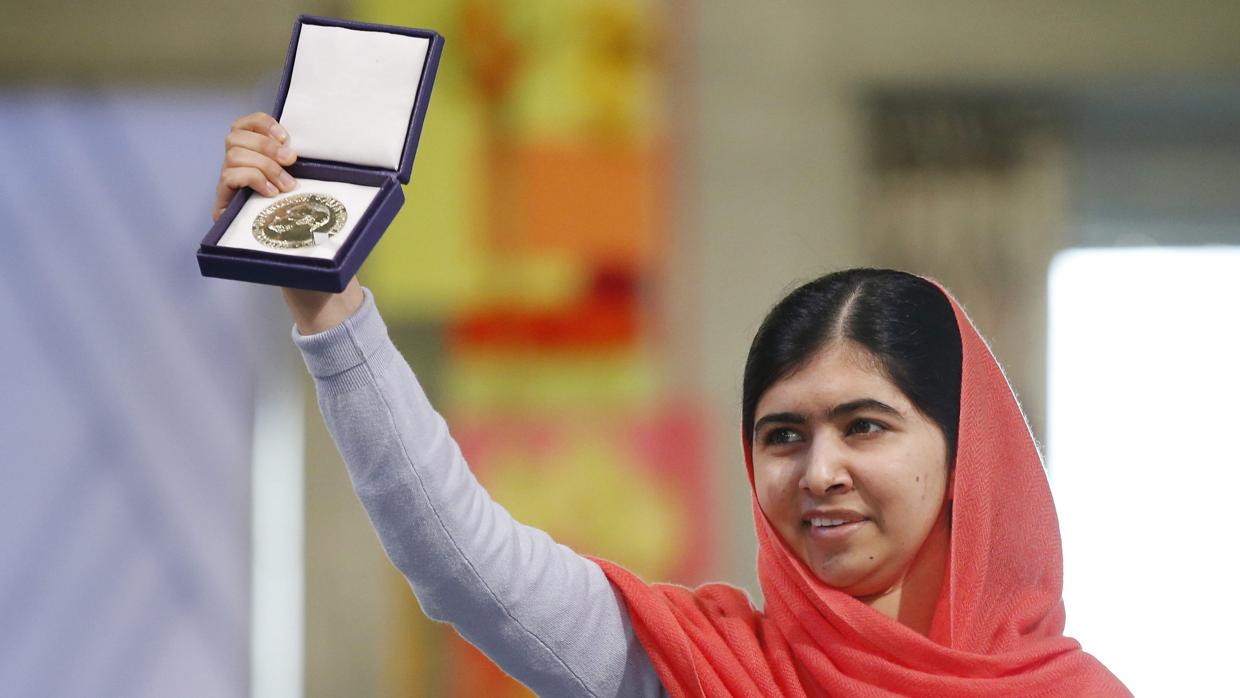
x=352, y=93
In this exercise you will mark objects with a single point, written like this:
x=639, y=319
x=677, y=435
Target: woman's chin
x=844, y=575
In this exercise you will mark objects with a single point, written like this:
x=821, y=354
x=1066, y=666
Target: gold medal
x=293, y=221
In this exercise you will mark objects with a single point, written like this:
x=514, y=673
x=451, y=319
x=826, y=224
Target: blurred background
x=607, y=197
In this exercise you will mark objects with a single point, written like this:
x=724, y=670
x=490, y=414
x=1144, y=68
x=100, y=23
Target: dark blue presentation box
x=315, y=273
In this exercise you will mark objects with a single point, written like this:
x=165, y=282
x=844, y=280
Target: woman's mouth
x=825, y=528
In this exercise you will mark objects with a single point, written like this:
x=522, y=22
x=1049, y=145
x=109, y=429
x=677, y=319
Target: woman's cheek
x=772, y=489
x=768, y=494
x=761, y=483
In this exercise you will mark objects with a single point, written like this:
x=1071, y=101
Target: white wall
x=1143, y=460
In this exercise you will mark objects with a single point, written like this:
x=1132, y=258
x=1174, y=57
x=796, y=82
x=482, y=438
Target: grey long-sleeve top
x=543, y=613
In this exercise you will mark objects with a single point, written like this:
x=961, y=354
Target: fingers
x=257, y=142
x=238, y=158
x=233, y=180
x=254, y=150
x=262, y=123
x=251, y=143
x=265, y=145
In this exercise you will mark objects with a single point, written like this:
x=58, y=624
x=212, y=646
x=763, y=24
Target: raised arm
x=543, y=613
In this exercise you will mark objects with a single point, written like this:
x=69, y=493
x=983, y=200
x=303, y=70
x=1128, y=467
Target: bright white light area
x=1144, y=458
x=277, y=592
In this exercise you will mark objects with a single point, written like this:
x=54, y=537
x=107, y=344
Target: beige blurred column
x=348, y=596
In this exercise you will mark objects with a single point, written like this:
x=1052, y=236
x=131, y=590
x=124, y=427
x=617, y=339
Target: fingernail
x=285, y=153
x=286, y=182
x=270, y=189
x=278, y=131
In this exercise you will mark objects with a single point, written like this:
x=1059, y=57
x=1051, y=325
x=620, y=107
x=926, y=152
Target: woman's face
x=850, y=474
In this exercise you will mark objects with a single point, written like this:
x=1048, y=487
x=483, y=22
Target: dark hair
x=904, y=320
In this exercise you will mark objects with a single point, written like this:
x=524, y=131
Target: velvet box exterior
x=317, y=273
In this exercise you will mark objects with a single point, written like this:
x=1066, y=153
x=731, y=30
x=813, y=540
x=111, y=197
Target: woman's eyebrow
x=779, y=417
x=862, y=404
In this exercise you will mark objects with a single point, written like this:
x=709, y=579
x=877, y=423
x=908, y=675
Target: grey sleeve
x=544, y=614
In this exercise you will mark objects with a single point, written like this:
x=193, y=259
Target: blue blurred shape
x=128, y=400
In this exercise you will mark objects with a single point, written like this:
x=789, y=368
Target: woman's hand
x=255, y=151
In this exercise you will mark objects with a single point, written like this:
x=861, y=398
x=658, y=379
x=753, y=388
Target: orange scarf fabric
x=998, y=625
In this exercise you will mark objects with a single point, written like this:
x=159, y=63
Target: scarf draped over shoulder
x=998, y=625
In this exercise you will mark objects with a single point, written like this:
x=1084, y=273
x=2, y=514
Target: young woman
x=908, y=544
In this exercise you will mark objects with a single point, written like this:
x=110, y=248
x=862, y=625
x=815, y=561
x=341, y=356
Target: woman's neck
x=914, y=599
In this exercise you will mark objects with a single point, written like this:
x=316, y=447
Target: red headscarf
x=998, y=626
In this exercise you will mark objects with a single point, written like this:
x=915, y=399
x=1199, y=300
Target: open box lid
x=355, y=94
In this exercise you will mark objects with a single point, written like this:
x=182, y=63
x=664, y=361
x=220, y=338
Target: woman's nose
x=827, y=471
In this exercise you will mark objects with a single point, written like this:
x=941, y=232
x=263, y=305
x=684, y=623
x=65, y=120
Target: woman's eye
x=776, y=437
x=864, y=426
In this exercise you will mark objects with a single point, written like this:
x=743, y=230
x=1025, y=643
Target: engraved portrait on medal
x=293, y=221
